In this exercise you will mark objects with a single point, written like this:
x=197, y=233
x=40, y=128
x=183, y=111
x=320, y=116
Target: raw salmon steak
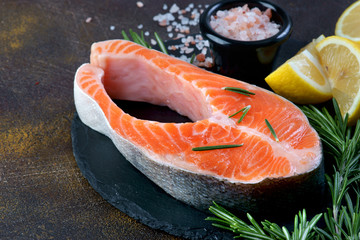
x=260, y=171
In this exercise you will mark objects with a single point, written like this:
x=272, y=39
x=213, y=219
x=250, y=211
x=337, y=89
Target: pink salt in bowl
x=249, y=59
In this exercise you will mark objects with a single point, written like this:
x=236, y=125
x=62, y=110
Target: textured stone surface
x=42, y=42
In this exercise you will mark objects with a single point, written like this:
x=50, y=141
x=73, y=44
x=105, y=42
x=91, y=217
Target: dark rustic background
x=42, y=42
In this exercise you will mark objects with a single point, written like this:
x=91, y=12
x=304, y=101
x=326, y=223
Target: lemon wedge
x=348, y=24
x=301, y=78
x=340, y=58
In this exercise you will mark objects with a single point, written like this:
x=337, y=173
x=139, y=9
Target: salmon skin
x=249, y=178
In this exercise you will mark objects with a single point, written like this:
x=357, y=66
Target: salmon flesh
x=262, y=173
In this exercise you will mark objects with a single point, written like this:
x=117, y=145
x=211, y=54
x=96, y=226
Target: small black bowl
x=249, y=61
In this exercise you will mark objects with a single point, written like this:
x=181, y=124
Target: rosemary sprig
x=239, y=90
x=271, y=130
x=140, y=39
x=214, y=147
x=342, y=219
x=224, y=219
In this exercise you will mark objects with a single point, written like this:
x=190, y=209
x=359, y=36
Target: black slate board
x=123, y=186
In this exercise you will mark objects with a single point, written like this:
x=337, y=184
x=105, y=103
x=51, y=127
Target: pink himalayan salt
x=244, y=24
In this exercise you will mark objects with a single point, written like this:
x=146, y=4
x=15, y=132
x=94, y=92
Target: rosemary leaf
x=239, y=90
x=245, y=111
x=143, y=39
x=125, y=36
x=214, y=147
x=271, y=130
x=236, y=112
x=160, y=42
x=137, y=38
x=192, y=58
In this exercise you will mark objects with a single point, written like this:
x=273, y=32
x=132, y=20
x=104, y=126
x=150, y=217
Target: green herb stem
x=161, y=44
x=271, y=130
x=243, y=110
x=192, y=58
x=239, y=90
x=214, y=147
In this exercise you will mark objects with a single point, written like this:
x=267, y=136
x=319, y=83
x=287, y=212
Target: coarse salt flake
x=139, y=4
x=174, y=8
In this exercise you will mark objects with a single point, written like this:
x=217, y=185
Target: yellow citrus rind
x=340, y=58
x=348, y=24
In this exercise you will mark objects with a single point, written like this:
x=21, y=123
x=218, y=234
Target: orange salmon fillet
x=120, y=69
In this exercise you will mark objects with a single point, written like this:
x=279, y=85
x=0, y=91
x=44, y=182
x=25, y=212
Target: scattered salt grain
x=184, y=21
x=244, y=24
x=188, y=50
x=139, y=4
x=112, y=28
x=177, y=22
x=140, y=26
x=88, y=20
x=174, y=8
x=147, y=33
x=152, y=41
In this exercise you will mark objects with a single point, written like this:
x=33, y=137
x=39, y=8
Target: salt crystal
x=189, y=50
x=152, y=41
x=140, y=26
x=88, y=20
x=184, y=58
x=204, y=51
x=184, y=20
x=147, y=33
x=139, y=4
x=169, y=17
x=112, y=28
x=180, y=35
x=165, y=7
x=200, y=57
x=163, y=23
x=170, y=35
x=174, y=8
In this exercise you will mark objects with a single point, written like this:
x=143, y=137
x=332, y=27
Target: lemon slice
x=340, y=58
x=301, y=78
x=348, y=24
